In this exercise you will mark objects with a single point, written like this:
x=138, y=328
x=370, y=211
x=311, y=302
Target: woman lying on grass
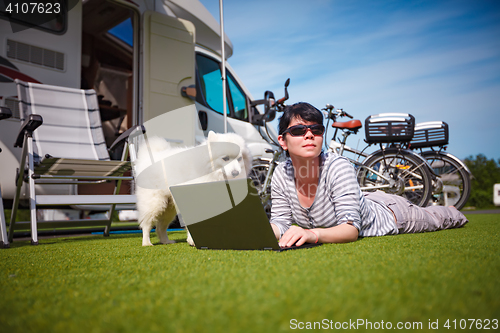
x=319, y=192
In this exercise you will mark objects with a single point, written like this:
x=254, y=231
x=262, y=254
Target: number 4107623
x=33, y=8
x=479, y=324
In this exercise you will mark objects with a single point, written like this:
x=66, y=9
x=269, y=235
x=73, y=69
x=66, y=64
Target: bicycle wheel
x=397, y=172
x=454, y=176
x=258, y=176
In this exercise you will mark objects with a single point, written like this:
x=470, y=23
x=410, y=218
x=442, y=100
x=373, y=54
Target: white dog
x=160, y=165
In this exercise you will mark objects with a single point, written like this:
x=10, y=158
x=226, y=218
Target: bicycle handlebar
x=337, y=113
x=280, y=103
x=281, y=100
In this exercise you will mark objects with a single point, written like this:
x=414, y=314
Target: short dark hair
x=302, y=110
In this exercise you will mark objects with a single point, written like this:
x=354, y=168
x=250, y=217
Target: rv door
x=168, y=63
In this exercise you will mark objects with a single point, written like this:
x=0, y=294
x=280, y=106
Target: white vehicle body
x=172, y=44
x=496, y=194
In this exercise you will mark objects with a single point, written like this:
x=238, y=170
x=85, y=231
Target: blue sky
x=438, y=60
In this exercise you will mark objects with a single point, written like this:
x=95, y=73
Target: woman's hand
x=343, y=233
x=297, y=236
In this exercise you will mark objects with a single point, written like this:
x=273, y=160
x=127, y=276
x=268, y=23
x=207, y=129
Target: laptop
x=226, y=215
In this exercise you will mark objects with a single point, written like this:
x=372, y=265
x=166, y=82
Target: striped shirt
x=338, y=200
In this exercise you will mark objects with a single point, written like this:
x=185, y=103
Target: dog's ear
x=212, y=136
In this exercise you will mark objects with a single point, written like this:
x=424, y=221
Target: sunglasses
x=299, y=130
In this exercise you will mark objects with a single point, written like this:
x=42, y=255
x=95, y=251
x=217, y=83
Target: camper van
x=144, y=58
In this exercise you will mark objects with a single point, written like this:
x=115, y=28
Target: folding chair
x=4, y=242
x=72, y=132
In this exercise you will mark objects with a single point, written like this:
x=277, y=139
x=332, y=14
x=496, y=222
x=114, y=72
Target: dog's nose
x=235, y=173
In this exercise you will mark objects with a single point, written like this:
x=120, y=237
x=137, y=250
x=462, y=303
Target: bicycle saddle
x=351, y=124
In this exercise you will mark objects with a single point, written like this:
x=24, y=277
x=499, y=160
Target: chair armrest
x=31, y=124
x=5, y=112
x=131, y=132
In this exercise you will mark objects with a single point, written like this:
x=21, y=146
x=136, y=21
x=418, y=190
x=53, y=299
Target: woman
x=320, y=194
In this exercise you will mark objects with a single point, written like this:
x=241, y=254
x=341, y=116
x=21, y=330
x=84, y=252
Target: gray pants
x=412, y=219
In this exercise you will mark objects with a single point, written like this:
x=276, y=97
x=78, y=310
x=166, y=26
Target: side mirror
x=270, y=110
x=283, y=99
x=287, y=83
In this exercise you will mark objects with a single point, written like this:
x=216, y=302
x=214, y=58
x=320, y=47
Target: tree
x=485, y=173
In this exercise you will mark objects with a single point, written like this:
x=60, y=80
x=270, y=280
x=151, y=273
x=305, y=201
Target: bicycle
x=393, y=168
x=454, y=175
x=263, y=168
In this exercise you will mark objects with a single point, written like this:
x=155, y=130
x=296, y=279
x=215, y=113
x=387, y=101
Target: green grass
x=96, y=284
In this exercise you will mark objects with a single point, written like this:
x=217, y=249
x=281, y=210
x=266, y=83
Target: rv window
x=238, y=98
x=211, y=83
x=28, y=14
